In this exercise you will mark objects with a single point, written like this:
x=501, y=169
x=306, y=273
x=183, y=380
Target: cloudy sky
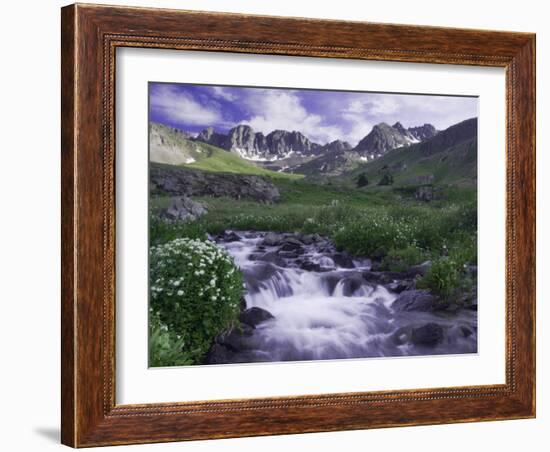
x=322, y=116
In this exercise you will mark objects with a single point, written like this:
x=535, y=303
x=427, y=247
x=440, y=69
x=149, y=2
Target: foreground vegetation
x=384, y=224
x=195, y=292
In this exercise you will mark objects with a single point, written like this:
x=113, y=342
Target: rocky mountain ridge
x=282, y=144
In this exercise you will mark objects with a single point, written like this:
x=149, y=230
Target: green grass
x=221, y=161
x=384, y=223
x=456, y=165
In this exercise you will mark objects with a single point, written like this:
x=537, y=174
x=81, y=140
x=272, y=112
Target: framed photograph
x=280, y=225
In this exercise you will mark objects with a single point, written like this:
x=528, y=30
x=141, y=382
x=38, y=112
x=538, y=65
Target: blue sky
x=322, y=116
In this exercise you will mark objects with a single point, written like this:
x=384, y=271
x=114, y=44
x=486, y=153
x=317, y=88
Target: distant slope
x=171, y=147
x=450, y=157
x=330, y=164
x=221, y=161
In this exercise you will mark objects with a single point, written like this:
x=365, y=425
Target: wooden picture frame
x=90, y=36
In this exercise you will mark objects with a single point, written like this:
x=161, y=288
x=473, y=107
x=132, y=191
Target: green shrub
x=165, y=347
x=195, y=292
x=386, y=179
x=443, y=277
x=374, y=232
x=399, y=260
x=163, y=231
x=362, y=180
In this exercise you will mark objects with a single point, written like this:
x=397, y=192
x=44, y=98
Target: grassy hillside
x=455, y=165
x=221, y=161
x=172, y=147
x=448, y=158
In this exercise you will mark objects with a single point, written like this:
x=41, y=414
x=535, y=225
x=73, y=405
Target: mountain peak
x=383, y=138
x=399, y=126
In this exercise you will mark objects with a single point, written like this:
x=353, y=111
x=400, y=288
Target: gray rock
x=466, y=332
x=254, y=316
x=245, y=142
x=219, y=354
x=342, y=260
x=271, y=257
x=400, y=286
x=236, y=339
x=179, y=181
x=350, y=285
x=183, y=208
x=425, y=193
x=430, y=334
x=230, y=236
x=420, y=269
x=310, y=266
x=272, y=239
x=415, y=300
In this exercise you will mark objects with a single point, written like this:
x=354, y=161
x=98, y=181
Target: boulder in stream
x=415, y=300
x=429, y=334
x=254, y=316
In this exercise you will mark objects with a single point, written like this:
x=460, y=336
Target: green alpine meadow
x=291, y=225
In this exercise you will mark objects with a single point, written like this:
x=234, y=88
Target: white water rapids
x=329, y=312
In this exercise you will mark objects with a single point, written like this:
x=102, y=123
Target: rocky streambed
x=307, y=301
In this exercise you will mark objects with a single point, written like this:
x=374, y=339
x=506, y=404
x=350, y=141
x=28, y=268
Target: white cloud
x=273, y=109
x=182, y=107
x=223, y=93
x=373, y=105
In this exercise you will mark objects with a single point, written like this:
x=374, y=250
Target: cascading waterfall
x=329, y=311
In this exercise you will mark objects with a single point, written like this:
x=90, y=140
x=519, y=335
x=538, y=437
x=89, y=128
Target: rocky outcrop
x=254, y=316
x=383, y=138
x=429, y=334
x=336, y=146
x=177, y=181
x=245, y=142
x=415, y=300
x=183, y=208
x=233, y=345
x=422, y=133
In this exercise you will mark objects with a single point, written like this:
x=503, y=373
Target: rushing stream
x=325, y=306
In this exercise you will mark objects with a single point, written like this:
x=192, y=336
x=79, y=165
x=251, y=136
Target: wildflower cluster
x=195, y=292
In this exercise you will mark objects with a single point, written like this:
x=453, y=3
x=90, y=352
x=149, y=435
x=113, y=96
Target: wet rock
x=352, y=285
x=401, y=336
x=219, y=354
x=420, y=270
x=400, y=286
x=229, y=236
x=430, y=334
x=466, y=332
x=292, y=246
x=271, y=257
x=342, y=260
x=183, y=208
x=309, y=239
x=255, y=275
x=288, y=254
x=272, y=239
x=383, y=277
x=236, y=338
x=310, y=266
x=415, y=300
x=254, y=316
